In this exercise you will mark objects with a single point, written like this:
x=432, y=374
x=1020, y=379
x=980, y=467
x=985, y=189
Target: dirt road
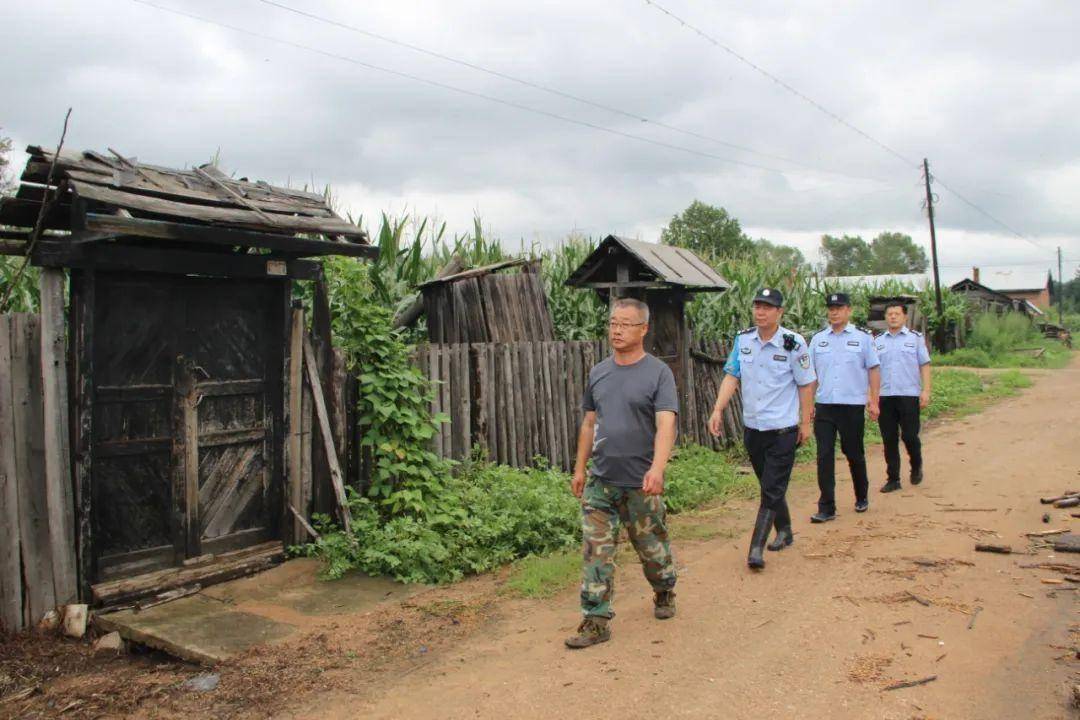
x=830, y=622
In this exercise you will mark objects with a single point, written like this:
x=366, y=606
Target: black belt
x=781, y=431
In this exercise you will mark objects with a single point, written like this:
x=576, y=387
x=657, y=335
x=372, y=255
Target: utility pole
x=933, y=253
x=1061, y=292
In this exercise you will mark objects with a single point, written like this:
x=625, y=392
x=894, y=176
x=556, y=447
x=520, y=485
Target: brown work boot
x=593, y=630
x=664, y=605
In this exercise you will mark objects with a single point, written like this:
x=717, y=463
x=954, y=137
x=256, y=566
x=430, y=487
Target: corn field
x=412, y=250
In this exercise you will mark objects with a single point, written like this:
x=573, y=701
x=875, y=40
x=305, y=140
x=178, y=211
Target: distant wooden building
x=184, y=357
x=985, y=299
x=662, y=276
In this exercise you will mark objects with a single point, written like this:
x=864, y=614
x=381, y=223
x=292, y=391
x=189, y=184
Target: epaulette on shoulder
x=746, y=330
x=915, y=332
x=866, y=330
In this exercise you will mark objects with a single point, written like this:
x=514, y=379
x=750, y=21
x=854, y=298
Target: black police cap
x=837, y=299
x=771, y=296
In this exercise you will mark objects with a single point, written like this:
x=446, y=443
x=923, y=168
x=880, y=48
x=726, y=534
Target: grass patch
x=1007, y=341
x=542, y=576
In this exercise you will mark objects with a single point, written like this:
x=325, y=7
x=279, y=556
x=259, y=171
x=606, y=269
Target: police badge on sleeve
x=804, y=361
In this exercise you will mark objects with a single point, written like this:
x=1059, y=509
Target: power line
x=778, y=81
x=548, y=89
x=471, y=93
x=834, y=116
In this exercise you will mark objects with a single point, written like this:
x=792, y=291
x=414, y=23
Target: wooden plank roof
x=131, y=193
x=661, y=265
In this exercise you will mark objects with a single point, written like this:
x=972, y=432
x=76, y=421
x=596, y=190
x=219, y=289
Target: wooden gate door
x=186, y=404
x=234, y=367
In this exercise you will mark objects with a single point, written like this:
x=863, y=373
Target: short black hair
x=902, y=306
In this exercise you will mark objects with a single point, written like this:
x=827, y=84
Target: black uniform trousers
x=849, y=421
x=772, y=453
x=900, y=418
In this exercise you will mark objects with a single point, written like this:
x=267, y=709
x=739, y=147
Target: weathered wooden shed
x=486, y=305
x=662, y=276
x=987, y=299
x=184, y=359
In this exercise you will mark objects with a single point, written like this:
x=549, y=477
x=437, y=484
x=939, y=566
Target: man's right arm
x=584, y=450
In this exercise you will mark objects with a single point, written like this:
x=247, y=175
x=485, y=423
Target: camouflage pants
x=605, y=509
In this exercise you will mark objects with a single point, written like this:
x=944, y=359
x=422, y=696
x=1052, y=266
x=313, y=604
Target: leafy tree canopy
x=890, y=253
x=707, y=230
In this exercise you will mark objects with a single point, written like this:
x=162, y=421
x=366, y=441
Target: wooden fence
x=37, y=549
x=519, y=401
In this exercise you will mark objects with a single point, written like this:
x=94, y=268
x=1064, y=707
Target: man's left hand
x=873, y=409
x=924, y=400
x=653, y=483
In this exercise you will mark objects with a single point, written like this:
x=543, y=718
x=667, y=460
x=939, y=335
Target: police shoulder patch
x=804, y=361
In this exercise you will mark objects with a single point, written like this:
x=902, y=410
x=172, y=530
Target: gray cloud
x=987, y=91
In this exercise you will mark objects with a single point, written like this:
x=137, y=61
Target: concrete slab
x=227, y=619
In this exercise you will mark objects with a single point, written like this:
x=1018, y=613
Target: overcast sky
x=989, y=92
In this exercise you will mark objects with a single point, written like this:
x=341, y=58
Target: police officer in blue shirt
x=905, y=389
x=848, y=381
x=772, y=364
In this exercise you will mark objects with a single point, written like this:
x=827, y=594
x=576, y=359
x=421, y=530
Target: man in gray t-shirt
x=628, y=431
x=626, y=399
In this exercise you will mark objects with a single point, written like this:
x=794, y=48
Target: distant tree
x=896, y=253
x=890, y=253
x=707, y=230
x=6, y=183
x=778, y=255
x=847, y=255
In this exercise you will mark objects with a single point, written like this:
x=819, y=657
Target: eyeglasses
x=623, y=325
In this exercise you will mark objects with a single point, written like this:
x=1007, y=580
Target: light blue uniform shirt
x=901, y=355
x=842, y=361
x=770, y=377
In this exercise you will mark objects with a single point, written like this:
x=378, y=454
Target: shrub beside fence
x=519, y=401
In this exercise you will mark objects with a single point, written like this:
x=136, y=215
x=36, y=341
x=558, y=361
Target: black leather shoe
x=762, y=527
x=784, y=536
x=916, y=476
x=822, y=517
x=862, y=506
x=891, y=486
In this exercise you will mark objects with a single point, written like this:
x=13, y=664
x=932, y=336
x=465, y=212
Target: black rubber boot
x=762, y=528
x=784, y=536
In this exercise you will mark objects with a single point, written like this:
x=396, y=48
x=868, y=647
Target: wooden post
x=296, y=417
x=57, y=438
x=81, y=313
x=30, y=469
x=336, y=478
x=11, y=591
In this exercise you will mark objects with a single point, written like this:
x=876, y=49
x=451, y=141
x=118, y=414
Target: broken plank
x=304, y=524
x=189, y=232
x=226, y=567
x=336, y=478
x=988, y=548
x=207, y=213
x=911, y=683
